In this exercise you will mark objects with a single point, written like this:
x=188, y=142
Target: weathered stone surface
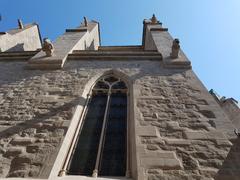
x=152, y=147
x=180, y=142
x=33, y=148
x=147, y=131
x=2, y=150
x=14, y=151
x=161, y=159
x=162, y=163
x=22, y=140
x=204, y=135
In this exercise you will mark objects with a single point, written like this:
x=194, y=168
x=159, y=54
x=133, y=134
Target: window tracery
x=101, y=148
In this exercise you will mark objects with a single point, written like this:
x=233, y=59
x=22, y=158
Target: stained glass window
x=101, y=148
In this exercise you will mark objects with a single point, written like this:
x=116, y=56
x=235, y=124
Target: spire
x=20, y=24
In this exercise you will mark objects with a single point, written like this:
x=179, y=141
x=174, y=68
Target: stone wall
x=188, y=143
x=181, y=132
x=35, y=110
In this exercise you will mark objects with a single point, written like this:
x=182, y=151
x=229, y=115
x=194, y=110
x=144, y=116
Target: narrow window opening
x=101, y=147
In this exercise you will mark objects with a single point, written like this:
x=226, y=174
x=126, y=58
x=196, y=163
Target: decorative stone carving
x=48, y=47
x=85, y=21
x=20, y=24
x=175, y=48
x=154, y=19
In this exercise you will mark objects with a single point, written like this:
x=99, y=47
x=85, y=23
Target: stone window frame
x=62, y=160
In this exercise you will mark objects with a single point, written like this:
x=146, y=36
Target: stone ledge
x=159, y=29
x=44, y=66
x=177, y=64
x=77, y=30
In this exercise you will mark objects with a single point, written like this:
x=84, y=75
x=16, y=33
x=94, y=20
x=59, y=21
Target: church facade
x=74, y=109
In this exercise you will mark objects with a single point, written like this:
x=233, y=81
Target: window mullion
x=127, y=140
x=95, y=171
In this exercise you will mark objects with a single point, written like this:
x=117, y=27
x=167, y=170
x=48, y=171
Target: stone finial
x=154, y=19
x=20, y=24
x=85, y=21
x=48, y=47
x=175, y=48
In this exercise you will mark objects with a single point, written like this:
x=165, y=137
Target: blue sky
x=209, y=30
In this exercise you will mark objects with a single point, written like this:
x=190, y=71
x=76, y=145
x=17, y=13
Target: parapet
x=230, y=106
x=24, y=38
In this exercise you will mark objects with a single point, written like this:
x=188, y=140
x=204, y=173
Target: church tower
x=74, y=109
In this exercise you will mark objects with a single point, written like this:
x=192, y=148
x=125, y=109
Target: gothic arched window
x=101, y=147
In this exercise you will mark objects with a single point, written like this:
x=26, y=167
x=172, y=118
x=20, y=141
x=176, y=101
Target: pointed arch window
x=101, y=147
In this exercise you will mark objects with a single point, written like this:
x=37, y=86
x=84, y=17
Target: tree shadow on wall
x=40, y=118
x=230, y=170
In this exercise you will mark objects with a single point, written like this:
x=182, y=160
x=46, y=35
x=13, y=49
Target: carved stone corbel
x=48, y=47
x=175, y=48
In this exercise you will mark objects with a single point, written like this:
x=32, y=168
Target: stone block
x=22, y=140
x=148, y=131
x=208, y=172
x=173, y=126
x=216, y=135
x=152, y=147
x=141, y=150
x=32, y=148
x=14, y=151
x=19, y=173
x=41, y=135
x=165, y=162
x=195, y=135
x=203, y=135
x=161, y=154
x=22, y=159
x=222, y=142
x=178, y=142
x=158, y=141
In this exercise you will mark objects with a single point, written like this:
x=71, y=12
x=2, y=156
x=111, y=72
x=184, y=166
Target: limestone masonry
x=176, y=129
